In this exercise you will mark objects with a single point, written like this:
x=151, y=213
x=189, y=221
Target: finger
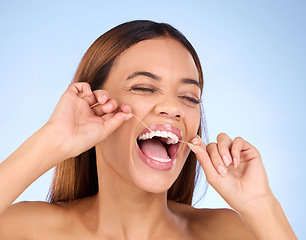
x=125, y=108
x=101, y=96
x=212, y=150
x=199, y=148
x=224, y=147
x=80, y=87
x=110, y=106
x=238, y=147
x=108, y=116
x=98, y=110
x=114, y=121
x=91, y=100
x=97, y=97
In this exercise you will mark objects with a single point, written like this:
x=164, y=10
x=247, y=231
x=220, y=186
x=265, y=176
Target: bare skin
x=131, y=202
x=41, y=220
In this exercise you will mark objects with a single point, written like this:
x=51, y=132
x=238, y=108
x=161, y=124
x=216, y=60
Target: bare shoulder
x=214, y=223
x=221, y=223
x=23, y=219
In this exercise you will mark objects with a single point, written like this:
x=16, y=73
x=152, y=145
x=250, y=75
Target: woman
x=118, y=179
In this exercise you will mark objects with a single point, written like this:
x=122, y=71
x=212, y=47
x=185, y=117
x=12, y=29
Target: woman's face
x=159, y=80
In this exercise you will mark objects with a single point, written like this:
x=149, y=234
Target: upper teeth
x=172, y=138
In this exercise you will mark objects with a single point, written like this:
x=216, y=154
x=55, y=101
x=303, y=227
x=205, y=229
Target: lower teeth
x=161, y=159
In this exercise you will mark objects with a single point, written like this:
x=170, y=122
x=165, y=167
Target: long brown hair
x=77, y=177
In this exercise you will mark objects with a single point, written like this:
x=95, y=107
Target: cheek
x=140, y=105
x=192, y=121
x=122, y=140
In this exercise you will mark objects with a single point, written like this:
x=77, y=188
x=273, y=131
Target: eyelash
x=143, y=89
x=193, y=100
x=153, y=90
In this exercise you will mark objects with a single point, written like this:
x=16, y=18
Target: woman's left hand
x=234, y=169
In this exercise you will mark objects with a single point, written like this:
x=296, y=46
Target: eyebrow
x=191, y=81
x=155, y=77
x=143, y=73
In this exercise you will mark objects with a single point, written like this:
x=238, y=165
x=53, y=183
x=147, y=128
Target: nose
x=170, y=108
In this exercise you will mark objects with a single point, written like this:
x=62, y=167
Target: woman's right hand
x=83, y=118
x=80, y=120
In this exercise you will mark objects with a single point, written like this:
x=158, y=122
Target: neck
x=126, y=211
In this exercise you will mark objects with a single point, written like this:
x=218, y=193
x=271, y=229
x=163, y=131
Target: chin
x=154, y=183
x=152, y=180
x=151, y=161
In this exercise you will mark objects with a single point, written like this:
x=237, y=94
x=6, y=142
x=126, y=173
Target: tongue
x=153, y=148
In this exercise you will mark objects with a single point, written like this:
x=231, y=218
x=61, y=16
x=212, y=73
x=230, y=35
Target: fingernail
x=226, y=160
x=192, y=147
x=129, y=116
x=107, y=107
x=127, y=106
x=196, y=140
x=235, y=162
x=222, y=170
x=103, y=99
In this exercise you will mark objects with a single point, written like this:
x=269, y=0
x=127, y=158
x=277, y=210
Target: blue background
x=253, y=57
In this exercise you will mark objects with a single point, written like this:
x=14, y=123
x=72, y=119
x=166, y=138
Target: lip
x=162, y=166
x=164, y=127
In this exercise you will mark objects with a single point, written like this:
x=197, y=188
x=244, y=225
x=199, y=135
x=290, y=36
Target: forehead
x=165, y=57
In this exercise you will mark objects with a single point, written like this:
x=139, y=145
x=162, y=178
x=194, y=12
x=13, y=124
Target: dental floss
x=142, y=122
x=152, y=130
x=184, y=142
x=83, y=95
x=96, y=104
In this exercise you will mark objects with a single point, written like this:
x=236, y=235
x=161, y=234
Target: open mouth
x=158, y=148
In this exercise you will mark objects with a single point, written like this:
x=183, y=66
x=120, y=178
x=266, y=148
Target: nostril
x=169, y=109
x=170, y=115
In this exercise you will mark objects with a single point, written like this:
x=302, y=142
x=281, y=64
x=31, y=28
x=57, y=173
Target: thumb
x=200, y=151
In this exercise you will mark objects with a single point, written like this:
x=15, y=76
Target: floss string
x=152, y=130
